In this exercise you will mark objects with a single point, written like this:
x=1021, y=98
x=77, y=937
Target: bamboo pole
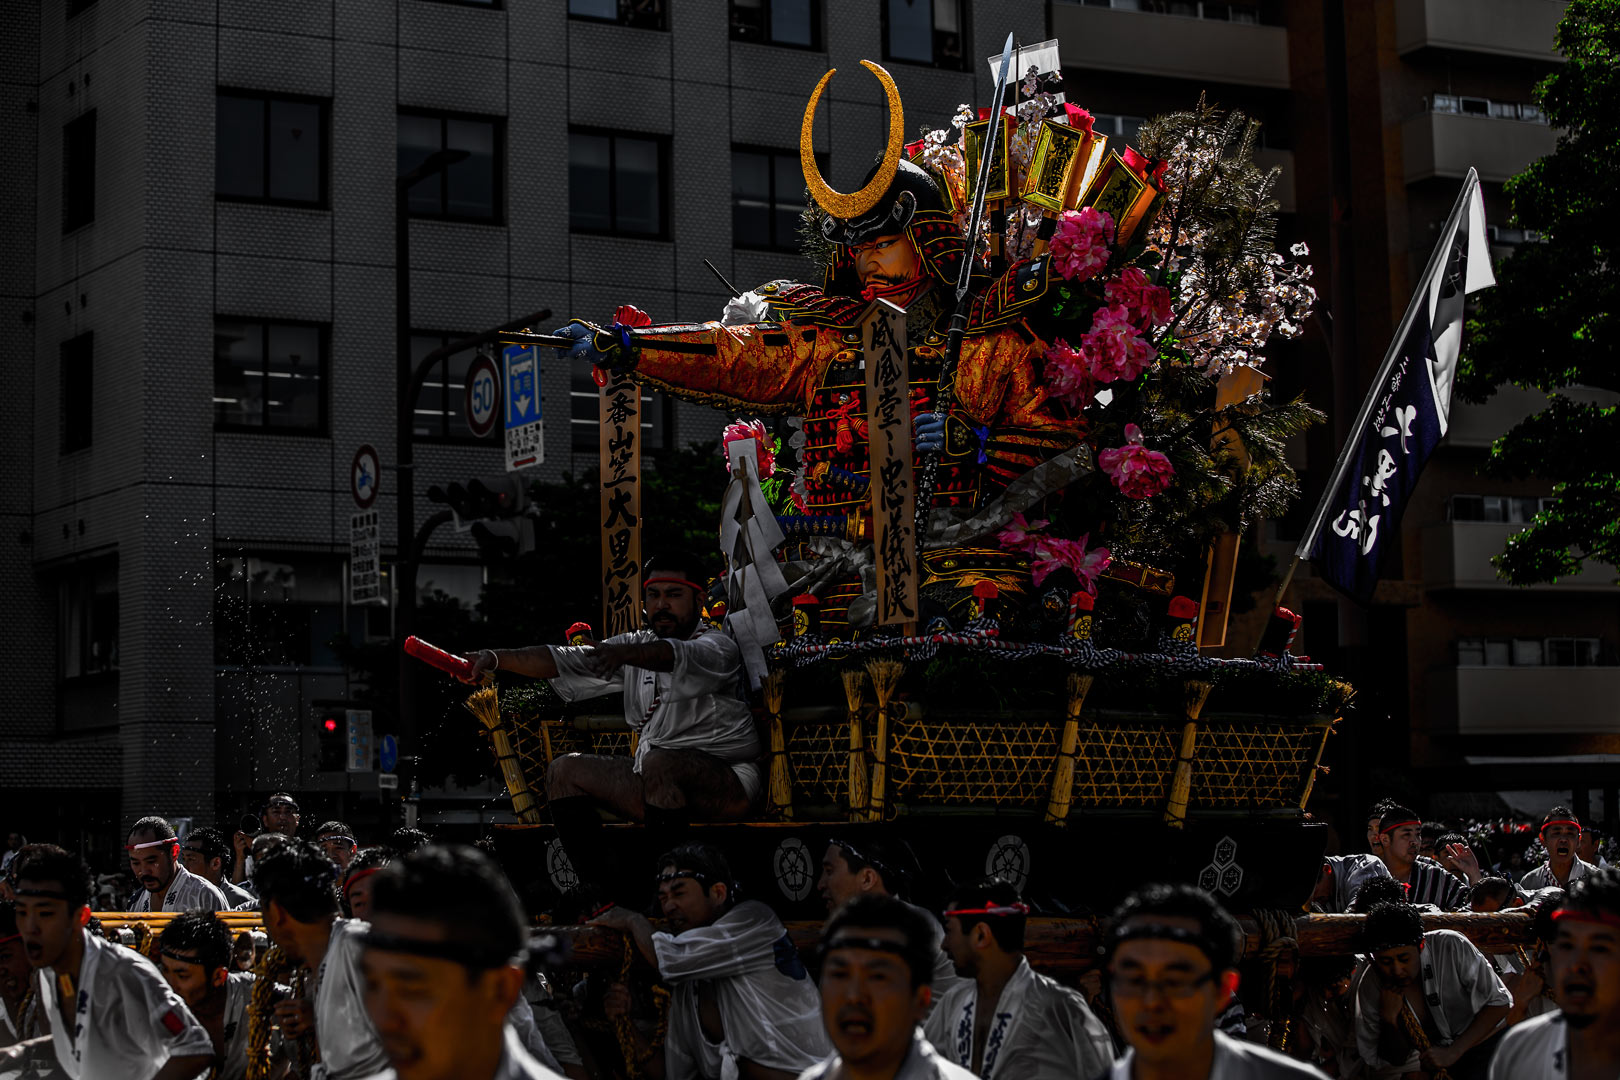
x=780, y=781
x=859, y=789
x=1062, y=796
x=885, y=676
x=485, y=705
x=1175, y=810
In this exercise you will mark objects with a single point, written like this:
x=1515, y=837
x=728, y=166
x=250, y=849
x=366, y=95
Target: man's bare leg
x=690, y=780
x=606, y=781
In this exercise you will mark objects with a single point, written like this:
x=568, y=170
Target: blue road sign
x=388, y=754
x=525, y=437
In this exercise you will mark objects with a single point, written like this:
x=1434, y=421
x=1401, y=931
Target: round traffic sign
x=388, y=753
x=483, y=395
x=365, y=476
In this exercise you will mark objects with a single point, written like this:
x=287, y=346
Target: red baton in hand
x=449, y=663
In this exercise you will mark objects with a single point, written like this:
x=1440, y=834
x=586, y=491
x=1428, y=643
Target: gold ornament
x=837, y=203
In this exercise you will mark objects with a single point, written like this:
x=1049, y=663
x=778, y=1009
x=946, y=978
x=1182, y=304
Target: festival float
x=1007, y=644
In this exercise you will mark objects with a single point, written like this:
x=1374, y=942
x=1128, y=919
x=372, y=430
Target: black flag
x=1406, y=413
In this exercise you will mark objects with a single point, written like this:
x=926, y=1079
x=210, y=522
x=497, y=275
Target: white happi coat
x=921, y=1063
x=1533, y=1050
x=1042, y=1030
x=1542, y=876
x=516, y=1064
x=1235, y=1061
x=349, y=1044
x=1458, y=981
x=769, y=1009
x=521, y=1019
x=126, y=1022
x=187, y=892
x=238, y=995
x=1351, y=872
x=694, y=706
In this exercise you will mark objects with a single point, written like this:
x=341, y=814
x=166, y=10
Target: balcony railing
x=1143, y=41
x=1447, y=143
x=1457, y=555
x=1522, y=28
x=1524, y=700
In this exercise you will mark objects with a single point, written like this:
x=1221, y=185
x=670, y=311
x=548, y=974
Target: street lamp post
x=405, y=557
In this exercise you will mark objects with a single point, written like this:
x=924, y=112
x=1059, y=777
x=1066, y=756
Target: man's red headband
x=358, y=875
x=153, y=844
x=673, y=580
x=1545, y=825
x=1387, y=829
x=1605, y=918
x=991, y=909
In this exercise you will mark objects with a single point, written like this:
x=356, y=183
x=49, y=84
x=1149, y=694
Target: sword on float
x=945, y=390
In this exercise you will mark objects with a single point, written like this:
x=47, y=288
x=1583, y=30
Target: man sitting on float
x=697, y=755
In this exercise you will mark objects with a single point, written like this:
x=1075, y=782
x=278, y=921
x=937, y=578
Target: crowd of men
x=416, y=960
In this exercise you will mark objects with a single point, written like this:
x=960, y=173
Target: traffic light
x=331, y=739
x=495, y=509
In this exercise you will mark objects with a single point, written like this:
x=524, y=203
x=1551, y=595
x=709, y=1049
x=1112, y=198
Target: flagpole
x=1353, y=439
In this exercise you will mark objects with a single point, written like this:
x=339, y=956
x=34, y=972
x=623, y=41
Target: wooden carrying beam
x=1070, y=944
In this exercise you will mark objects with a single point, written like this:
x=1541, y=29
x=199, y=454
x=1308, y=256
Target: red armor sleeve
x=998, y=385
x=765, y=368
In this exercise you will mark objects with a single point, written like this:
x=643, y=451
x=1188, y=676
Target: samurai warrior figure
x=797, y=352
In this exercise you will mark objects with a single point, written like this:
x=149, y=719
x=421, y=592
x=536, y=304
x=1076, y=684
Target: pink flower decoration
x=1068, y=377
x=751, y=429
x=1138, y=472
x=1149, y=304
x=1021, y=535
x=1052, y=554
x=1113, y=349
x=1079, y=247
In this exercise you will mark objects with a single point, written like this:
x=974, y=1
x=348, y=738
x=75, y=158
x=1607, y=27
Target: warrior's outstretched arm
x=761, y=367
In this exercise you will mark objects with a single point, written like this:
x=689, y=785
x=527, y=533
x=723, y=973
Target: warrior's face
x=890, y=260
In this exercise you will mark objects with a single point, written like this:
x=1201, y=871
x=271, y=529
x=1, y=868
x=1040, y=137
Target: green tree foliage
x=1550, y=323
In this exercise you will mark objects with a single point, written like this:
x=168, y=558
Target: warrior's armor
x=807, y=361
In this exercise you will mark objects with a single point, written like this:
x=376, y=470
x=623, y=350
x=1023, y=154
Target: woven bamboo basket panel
x=818, y=759
x=970, y=762
x=1124, y=764
x=1254, y=764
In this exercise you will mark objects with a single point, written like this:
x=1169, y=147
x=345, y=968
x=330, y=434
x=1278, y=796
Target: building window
x=76, y=6
x=616, y=184
x=270, y=149
x=925, y=32
x=77, y=392
x=87, y=621
x=269, y=375
x=79, y=172
x=1508, y=509
x=767, y=198
x=470, y=189
x=585, y=415
x=1237, y=11
x=793, y=23
x=641, y=14
x=1459, y=105
x=282, y=612
x=1530, y=652
x=1116, y=126
x=441, y=407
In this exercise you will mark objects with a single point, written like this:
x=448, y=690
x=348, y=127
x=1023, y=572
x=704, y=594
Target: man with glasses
x=204, y=853
x=1170, y=963
x=337, y=840
x=1560, y=835
x=1003, y=1019
x=743, y=1004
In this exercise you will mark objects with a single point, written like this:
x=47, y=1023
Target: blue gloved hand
x=583, y=347
x=930, y=433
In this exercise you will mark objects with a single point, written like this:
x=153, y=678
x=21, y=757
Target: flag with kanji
x=1407, y=411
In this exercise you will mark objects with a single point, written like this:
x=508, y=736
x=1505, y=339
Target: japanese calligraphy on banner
x=1406, y=413
x=894, y=491
x=621, y=505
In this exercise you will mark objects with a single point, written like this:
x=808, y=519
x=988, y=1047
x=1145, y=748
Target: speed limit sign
x=483, y=396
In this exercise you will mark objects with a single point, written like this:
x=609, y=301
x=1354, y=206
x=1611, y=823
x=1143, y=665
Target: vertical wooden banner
x=620, y=433
x=894, y=486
